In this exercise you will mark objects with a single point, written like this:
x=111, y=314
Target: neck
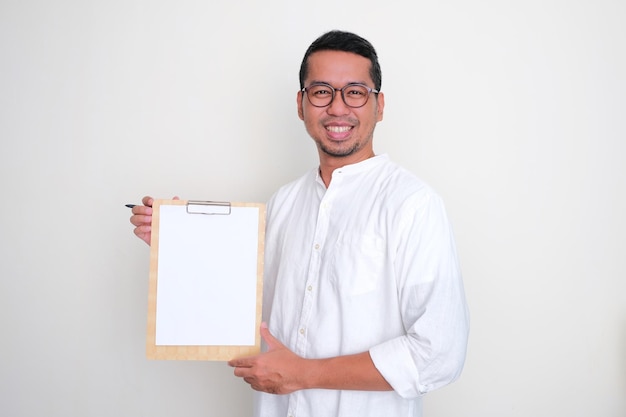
x=328, y=164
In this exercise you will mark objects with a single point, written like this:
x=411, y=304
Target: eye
x=356, y=91
x=320, y=91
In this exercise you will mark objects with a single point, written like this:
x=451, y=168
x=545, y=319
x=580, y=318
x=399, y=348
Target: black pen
x=130, y=206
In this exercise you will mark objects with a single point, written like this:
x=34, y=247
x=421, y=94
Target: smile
x=338, y=129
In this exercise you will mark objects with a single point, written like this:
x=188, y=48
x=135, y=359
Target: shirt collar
x=357, y=168
x=365, y=165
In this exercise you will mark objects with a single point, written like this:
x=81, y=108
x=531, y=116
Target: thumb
x=271, y=341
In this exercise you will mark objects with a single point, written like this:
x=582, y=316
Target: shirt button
x=310, y=288
x=301, y=331
x=317, y=246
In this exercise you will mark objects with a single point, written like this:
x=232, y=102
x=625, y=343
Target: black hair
x=337, y=40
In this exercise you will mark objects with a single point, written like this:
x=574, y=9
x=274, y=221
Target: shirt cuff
x=395, y=363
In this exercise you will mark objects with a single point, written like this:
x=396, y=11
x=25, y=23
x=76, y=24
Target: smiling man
x=363, y=296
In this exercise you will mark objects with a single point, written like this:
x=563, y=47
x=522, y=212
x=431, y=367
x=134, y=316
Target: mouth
x=338, y=129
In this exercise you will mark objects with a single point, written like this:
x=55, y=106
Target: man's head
x=339, y=100
x=337, y=40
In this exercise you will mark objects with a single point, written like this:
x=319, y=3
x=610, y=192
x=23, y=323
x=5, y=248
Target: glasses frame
x=334, y=90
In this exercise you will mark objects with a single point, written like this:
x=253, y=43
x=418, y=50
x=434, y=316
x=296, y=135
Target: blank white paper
x=207, y=277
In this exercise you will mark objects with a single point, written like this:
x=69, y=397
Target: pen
x=130, y=206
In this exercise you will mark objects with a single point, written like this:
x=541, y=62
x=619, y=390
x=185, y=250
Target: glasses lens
x=355, y=95
x=320, y=95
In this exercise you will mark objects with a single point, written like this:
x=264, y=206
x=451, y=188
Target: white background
x=514, y=111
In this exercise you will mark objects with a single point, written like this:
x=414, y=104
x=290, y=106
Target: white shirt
x=368, y=264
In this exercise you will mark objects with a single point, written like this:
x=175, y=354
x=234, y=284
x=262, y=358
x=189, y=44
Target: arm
x=280, y=371
x=435, y=316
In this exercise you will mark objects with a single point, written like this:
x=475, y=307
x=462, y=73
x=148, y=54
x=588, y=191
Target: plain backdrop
x=515, y=112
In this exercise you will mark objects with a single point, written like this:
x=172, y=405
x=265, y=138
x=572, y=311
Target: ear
x=299, y=98
x=380, y=107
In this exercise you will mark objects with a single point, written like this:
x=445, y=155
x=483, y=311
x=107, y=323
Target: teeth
x=338, y=129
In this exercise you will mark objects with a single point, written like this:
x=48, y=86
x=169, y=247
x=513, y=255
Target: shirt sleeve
x=434, y=311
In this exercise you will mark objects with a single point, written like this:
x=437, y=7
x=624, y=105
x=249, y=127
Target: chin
x=339, y=153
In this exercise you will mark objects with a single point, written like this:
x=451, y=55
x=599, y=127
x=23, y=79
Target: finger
x=271, y=341
x=145, y=210
x=176, y=198
x=242, y=372
x=147, y=201
x=142, y=230
x=139, y=220
x=240, y=363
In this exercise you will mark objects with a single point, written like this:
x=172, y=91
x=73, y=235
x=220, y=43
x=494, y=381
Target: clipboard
x=206, y=280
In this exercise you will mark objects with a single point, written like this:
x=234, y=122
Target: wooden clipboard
x=206, y=280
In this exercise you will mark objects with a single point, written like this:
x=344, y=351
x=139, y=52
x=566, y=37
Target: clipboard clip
x=208, y=207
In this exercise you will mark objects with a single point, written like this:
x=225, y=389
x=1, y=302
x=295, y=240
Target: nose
x=337, y=106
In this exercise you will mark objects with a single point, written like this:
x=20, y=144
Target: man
x=363, y=297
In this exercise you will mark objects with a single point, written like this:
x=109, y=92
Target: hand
x=142, y=219
x=277, y=371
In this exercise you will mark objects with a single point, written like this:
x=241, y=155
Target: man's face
x=338, y=130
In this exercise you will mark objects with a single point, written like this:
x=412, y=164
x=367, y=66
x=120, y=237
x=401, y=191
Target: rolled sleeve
x=396, y=365
x=414, y=365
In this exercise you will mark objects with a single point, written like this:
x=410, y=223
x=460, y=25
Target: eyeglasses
x=354, y=95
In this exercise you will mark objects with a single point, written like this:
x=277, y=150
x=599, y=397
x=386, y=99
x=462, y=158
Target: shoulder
x=289, y=191
x=410, y=201
x=400, y=184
